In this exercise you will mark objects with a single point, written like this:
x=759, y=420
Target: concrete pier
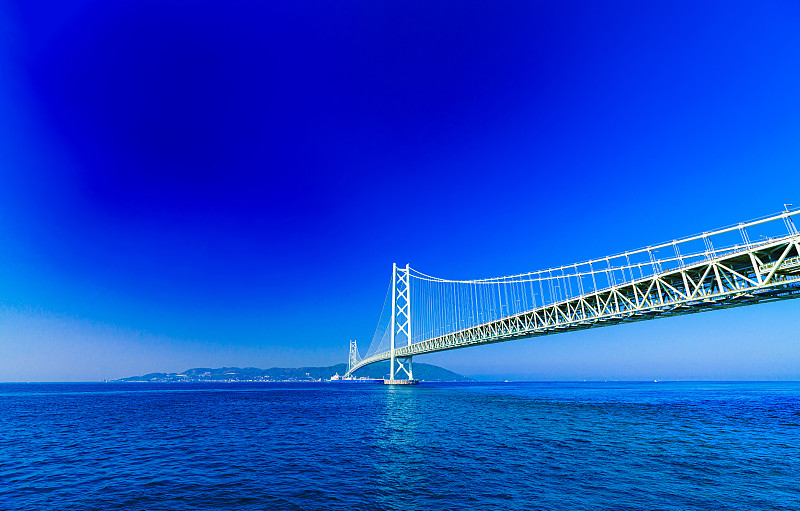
x=401, y=382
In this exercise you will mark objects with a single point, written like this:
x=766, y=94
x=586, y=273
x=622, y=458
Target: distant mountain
x=426, y=372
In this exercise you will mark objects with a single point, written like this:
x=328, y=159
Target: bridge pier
x=395, y=378
x=401, y=364
x=401, y=382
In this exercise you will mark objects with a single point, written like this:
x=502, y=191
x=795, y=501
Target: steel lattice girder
x=769, y=271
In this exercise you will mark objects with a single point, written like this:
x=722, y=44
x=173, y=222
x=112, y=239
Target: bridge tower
x=354, y=358
x=400, y=323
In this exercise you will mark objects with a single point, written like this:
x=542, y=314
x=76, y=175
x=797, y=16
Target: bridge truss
x=714, y=270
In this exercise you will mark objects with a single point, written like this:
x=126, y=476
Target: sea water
x=435, y=446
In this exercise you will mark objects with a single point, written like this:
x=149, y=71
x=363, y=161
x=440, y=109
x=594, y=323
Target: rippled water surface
x=436, y=446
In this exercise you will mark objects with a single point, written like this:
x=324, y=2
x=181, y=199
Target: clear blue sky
x=228, y=183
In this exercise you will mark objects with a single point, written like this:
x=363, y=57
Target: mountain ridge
x=425, y=372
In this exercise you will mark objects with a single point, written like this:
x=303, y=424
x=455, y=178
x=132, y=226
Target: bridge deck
x=754, y=273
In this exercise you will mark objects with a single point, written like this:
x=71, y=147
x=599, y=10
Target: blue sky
x=229, y=183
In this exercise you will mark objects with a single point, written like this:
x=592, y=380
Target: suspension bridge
x=744, y=264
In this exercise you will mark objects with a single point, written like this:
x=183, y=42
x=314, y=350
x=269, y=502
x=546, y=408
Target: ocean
x=436, y=446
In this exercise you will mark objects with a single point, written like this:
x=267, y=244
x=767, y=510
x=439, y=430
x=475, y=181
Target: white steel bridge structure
x=744, y=264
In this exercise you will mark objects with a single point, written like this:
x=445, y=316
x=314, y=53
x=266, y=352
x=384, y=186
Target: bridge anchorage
x=744, y=264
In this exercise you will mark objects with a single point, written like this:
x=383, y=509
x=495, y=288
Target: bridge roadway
x=753, y=273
